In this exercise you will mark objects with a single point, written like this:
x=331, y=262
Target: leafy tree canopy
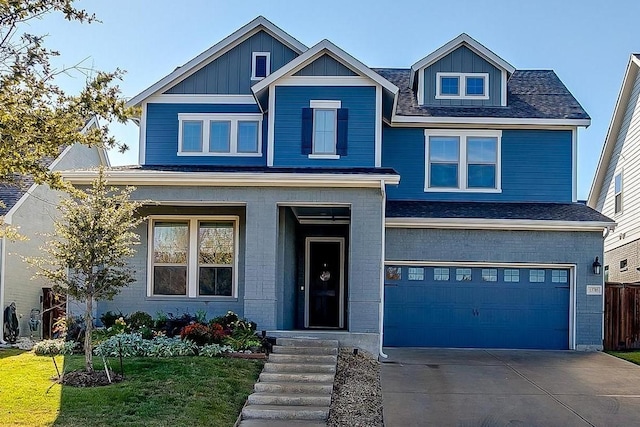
x=37, y=117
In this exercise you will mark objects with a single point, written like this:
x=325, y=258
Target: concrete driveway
x=449, y=387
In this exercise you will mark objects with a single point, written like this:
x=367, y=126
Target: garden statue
x=11, y=326
x=34, y=321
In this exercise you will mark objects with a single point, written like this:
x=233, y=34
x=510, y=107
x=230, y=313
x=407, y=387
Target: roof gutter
x=233, y=179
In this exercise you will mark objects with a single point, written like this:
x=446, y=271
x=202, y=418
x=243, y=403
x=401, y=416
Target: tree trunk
x=88, y=321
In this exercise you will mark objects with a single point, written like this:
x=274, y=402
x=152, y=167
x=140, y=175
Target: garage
x=517, y=307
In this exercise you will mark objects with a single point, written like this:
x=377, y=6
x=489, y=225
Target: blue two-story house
x=428, y=206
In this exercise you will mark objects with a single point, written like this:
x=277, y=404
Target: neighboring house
x=616, y=186
x=32, y=209
x=428, y=206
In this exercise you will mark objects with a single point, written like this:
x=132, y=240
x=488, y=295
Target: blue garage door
x=476, y=307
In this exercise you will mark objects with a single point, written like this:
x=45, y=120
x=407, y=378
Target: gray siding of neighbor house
x=35, y=219
x=579, y=248
x=260, y=300
x=612, y=258
x=462, y=60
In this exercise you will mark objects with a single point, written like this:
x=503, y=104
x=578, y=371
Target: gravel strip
x=357, y=395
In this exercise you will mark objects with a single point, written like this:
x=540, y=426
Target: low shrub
x=54, y=347
x=133, y=345
x=109, y=318
x=213, y=350
x=197, y=332
x=139, y=320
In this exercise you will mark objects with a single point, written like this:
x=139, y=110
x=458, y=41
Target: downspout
x=3, y=254
x=383, y=237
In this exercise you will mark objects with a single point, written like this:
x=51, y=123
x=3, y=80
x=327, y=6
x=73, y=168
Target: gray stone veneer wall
x=579, y=248
x=612, y=258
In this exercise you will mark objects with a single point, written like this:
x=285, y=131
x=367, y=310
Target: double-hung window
x=462, y=160
x=462, y=86
x=193, y=257
x=324, y=129
x=219, y=134
x=617, y=192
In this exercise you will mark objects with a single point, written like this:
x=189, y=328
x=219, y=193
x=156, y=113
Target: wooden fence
x=622, y=316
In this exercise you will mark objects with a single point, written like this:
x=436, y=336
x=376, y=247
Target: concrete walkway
x=450, y=387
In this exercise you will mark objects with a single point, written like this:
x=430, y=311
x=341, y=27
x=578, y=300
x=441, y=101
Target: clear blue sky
x=586, y=42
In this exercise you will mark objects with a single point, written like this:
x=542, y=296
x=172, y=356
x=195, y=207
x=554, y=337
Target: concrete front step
x=303, y=358
x=306, y=342
x=281, y=423
x=305, y=350
x=299, y=367
x=299, y=377
x=297, y=399
x=279, y=412
x=294, y=387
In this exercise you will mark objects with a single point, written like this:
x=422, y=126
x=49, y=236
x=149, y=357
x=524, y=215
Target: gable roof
x=630, y=76
x=462, y=40
x=206, y=57
x=322, y=48
x=13, y=195
x=531, y=94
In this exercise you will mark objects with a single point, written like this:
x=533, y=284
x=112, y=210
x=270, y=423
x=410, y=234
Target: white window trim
x=616, y=213
x=462, y=87
x=462, y=160
x=206, y=118
x=253, y=64
x=324, y=105
x=192, y=255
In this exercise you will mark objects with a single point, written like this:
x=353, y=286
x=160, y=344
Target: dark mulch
x=90, y=379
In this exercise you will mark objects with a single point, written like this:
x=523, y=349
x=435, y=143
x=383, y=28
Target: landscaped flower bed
x=139, y=335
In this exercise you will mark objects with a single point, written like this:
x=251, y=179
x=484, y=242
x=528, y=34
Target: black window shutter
x=343, y=126
x=307, y=130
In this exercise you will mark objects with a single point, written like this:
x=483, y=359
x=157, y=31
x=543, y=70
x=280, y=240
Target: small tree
x=88, y=258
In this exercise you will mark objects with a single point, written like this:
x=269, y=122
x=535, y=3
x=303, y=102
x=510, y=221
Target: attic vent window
x=618, y=193
x=260, y=65
x=462, y=86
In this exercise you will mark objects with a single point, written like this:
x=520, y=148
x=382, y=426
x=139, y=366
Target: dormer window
x=462, y=86
x=260, y=65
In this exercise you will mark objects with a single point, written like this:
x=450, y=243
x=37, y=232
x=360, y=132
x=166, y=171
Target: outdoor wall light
x=596, y=266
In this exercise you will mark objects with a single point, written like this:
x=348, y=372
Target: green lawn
x=631, y=356
x=190, y=391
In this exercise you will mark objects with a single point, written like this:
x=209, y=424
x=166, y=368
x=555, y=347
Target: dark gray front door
x=324, y=278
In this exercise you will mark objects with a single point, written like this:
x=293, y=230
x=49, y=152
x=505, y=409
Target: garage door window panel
x=489, y=275
x=511, y=275
x=559, y=276
x=415, y=273
x=441, y=274
x=463, y=274
x=536, y=276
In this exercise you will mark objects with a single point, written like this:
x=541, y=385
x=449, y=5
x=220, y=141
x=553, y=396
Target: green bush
x=213, y=350
x=54, y=347
x=108, y=319
x=139, y=320
x=133, y=345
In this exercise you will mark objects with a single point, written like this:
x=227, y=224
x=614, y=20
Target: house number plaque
x=594, y=290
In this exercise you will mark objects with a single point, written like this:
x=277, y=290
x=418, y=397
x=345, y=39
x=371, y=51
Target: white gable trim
x=613, y=131
x=217, y=50
x=200, y=99
x=324, y=47
x=471, y=43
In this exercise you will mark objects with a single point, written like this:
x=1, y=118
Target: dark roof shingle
x=536, y=94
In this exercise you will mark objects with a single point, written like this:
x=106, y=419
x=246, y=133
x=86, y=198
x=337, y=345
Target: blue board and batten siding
x=462, y=60
x=325, y=66
x=162, y=135
x=359, y=100
x=536, y=167
x=230, y=74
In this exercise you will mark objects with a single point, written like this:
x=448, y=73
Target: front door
x=324, y=282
